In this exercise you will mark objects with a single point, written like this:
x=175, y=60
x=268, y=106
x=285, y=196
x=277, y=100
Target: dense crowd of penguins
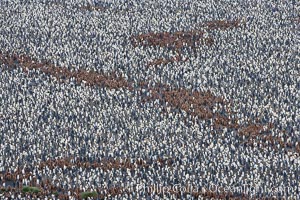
x=52, y=132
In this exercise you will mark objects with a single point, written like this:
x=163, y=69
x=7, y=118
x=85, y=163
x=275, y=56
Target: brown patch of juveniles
x=296, y=19
x=251, y=130
x=175, y=41
x=178, y=40
x=194, y=103
x=112, y=80
x=222, y=24
x=201, y=105
x=221, y=122
x=297, y=148
x=82, y=8
x=106, y=165
x=92, y=8
x=193, y=191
